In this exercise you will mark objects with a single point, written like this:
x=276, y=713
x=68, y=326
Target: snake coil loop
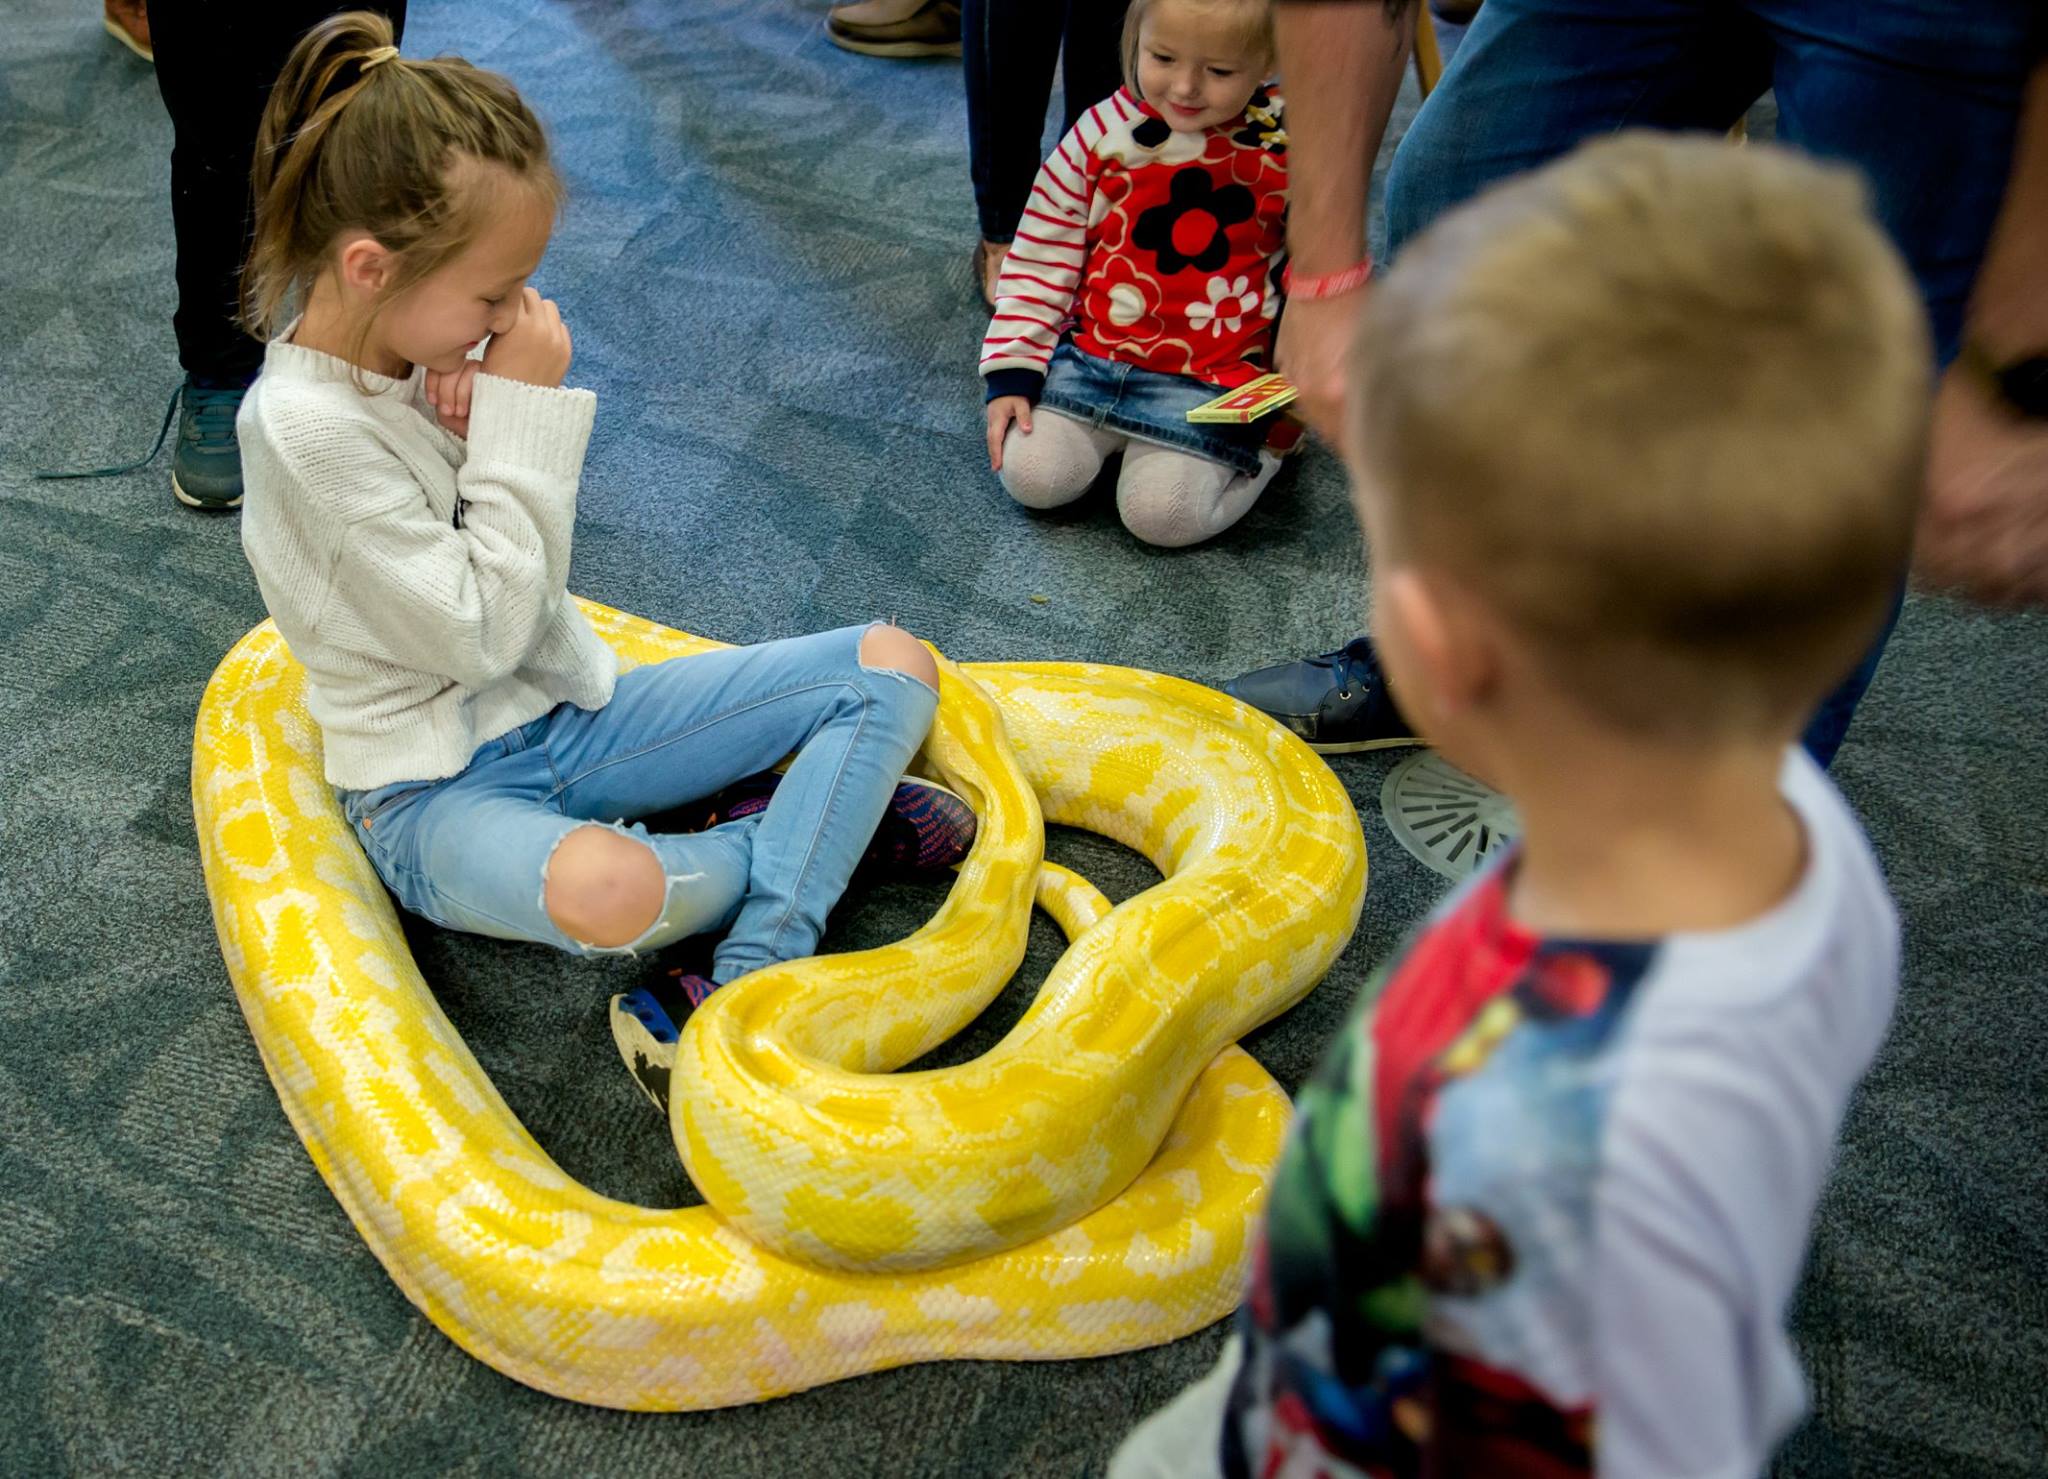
x=1092, y=1184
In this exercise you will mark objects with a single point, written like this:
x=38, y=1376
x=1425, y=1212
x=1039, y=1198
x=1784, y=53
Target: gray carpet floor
x=765, y=264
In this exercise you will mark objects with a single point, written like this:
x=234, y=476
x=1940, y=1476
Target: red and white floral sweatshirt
x=1162, y=249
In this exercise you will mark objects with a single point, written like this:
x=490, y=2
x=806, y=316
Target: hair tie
x=372, y=58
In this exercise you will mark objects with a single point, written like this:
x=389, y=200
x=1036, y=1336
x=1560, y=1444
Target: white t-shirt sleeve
x=1740, y=1063
x=1693, y=1376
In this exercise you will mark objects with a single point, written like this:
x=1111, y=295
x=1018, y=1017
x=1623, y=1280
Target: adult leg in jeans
x=1531, y=79
x=1009, y=48
x=1923, y=98
x=1091, y=59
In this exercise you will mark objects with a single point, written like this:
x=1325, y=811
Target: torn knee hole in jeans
x=889, y=670
x=669, y=883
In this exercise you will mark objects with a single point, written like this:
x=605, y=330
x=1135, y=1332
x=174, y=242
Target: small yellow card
x=1248, y=402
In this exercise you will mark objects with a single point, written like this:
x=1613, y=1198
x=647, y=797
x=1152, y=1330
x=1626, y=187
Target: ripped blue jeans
x=471, y=852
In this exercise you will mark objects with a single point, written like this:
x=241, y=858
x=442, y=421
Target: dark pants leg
x=1921, y=95
x=215, y=63
x=1010, y=48
x=1092, y=59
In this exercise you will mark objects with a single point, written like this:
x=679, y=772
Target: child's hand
x=535, y=349
x=449, y=395
x=1001, y=412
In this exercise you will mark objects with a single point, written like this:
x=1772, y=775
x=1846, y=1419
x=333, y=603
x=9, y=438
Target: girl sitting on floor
x=1157, y=226
x=408, y=515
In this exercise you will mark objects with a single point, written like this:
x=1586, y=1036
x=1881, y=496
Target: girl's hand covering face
x=536, y=349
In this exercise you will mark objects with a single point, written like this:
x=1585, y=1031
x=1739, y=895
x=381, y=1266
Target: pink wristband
x=1329, y=285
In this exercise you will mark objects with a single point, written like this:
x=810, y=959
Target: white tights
x=1164, y=497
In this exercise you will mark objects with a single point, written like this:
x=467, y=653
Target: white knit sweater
x=422, y=581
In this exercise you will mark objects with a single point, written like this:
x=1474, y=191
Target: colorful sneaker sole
x=646, y=1039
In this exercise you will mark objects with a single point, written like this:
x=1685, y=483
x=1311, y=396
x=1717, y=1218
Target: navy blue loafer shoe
x=1338, y=702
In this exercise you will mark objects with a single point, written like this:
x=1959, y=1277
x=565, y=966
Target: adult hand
x=536, y=349
x=449, y=396
x=1001, y=412
x=1314, y=351
x=1984, y=528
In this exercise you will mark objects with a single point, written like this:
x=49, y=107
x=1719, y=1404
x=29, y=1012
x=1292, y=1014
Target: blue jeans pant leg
x=1923, y=98
x=682, y=729
x=1534, y=78
x=472, y=853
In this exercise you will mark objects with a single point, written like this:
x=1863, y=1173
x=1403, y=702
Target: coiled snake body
x=1092, y=1184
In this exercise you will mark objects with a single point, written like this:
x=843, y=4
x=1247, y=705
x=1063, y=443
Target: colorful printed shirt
x=1547, y=1200
x=1162, y=248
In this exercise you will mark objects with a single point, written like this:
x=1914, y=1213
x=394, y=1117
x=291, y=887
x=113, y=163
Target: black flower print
x=1262, y=128
x=1151, y=132
x=1191, y=228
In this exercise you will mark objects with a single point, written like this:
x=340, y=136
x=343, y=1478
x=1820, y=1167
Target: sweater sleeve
x=469, y=597
x=1041, y=276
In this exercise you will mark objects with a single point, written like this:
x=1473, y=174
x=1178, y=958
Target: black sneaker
x=1338, y=702
x=647, y=1023
x=206, y=468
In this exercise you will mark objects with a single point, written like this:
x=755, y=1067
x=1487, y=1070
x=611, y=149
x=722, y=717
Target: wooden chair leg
x=1429, y=62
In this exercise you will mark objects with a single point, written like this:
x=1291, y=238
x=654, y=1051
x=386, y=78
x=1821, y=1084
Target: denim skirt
x=1146, y=404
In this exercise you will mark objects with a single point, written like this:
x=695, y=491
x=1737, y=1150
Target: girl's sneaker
x=647, y=1021
x=926, y=827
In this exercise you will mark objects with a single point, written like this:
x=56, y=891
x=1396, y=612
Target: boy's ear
x=364, y=264
x=1446, y=638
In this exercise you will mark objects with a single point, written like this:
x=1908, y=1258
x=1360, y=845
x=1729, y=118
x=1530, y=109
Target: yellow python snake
x=1092, y=1184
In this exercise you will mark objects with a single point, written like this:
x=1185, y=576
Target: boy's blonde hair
x=1252, y=21
x=1662, y=406
x=355, y=137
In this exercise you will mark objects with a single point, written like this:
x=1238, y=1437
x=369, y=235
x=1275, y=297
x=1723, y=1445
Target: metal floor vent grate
x=1449, y=821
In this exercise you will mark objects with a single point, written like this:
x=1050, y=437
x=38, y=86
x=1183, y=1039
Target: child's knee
x=1047, y=469
x=1171, y=507
x=1160, y=516
x=890, y=647
x=602, y=888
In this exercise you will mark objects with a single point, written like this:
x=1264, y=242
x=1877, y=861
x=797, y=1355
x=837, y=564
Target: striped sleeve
x=1042, y=274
